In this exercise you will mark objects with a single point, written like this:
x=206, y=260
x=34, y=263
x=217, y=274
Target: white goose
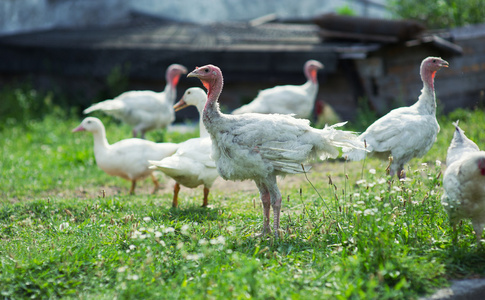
x=297, y=100
x=260, y=146
x=145, y=110
x=405, y=132
x=192, y=164
x=128, y=158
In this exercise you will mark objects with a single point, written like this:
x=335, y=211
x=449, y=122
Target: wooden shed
x=252, y=55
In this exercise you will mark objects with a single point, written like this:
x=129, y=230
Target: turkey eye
x=206, y=70
x=434, y=60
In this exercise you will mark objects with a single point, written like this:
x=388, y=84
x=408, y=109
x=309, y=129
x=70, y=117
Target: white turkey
x=298, y=100
x=128, y=158
x=262, y=146
x=405, y=132
x=464, y=182
x=145, y=110
x=192, y=164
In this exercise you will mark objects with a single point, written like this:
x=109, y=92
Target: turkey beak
x=193, y=73
x=180, y=105
x=79, y=128
x=445, y=64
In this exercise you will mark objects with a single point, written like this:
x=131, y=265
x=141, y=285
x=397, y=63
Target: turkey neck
x=171, y=88
x=211, y=110
x=311, y=75
x=427, y=100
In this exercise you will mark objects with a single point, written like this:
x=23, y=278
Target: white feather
x=464, y=182
x=297, y=100
x=405, y=132
x=144, y=110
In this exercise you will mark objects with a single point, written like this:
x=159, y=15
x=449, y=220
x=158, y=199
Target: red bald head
x=311, y=68
x=173, y=74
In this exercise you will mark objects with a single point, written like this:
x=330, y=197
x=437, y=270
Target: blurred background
x=84, y=51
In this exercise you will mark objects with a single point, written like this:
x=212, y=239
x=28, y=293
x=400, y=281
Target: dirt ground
x=319, y=172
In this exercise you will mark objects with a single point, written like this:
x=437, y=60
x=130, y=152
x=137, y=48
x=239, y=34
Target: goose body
x=192, y=164
x=128, y=158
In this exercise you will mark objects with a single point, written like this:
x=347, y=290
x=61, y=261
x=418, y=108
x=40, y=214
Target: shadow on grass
x=195, y=214
x=465, y=261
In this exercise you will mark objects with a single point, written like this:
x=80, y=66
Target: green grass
x=362, y=237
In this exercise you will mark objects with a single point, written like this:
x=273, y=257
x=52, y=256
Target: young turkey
x=464, y=182
x=262, y=146
x=405, y=132
x=128, y=158
x=145, y=110
x=192, y=164
x=287, y=99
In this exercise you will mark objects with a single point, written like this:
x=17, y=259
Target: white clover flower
x=370, y=211
x=231, y=228
x=147, y=219
x=377, y=198
x=372, y=171
x=151, y=230
x=122, y=269
x=132, y=247
x=196, y=256
x=63, y=226
x=371, y=184
x=356, y=195
x=169, y=229
x=203, y=242
x=381, y=180
x=158, y=234
x=162, y=243
x=192, y=257
x=359, y=182
x=132, y=277
x=438, y=163
x=360, y=202
x=221, y=240
x=136, y=234
x=424, y=164
x=185, y=229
